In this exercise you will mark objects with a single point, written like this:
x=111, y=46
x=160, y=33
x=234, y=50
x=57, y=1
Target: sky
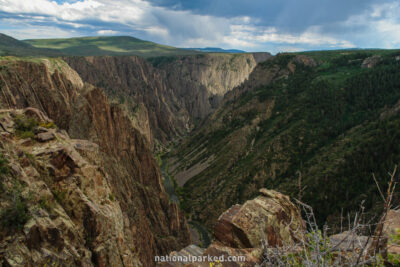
x=250, y=25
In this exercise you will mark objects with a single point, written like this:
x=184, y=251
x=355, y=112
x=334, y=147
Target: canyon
x=102, y=196
x=111, y=160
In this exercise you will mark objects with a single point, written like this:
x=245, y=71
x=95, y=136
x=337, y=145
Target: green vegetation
x=113, y=46
x=12, y=47
x=394, y=241
x=60, y=195
x=16, y=214
x=88, y=46
x=49, y=125
x=24, y=126
x=46, y=203
x=332, y=125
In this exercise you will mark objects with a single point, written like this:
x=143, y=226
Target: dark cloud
x=291, y=15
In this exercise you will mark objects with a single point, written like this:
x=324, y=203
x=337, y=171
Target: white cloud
x=107, y=32
x=380, y=26
x=173, y=27
x=40, y=32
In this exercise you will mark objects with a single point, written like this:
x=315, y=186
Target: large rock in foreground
x=242, y=229
x=270, y=217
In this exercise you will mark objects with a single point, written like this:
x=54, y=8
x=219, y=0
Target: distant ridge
x=97, y=46
x=216, y=50
x=108, y=45
x=12, y=47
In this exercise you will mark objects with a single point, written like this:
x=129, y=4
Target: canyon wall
x=165, y=98
x=153, y=225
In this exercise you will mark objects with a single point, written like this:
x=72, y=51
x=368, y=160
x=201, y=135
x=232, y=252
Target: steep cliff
x=57, y=206
x=155, y=225
x=166, y=98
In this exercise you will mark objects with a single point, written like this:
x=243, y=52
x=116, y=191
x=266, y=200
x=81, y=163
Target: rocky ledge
x=56, y=204
x=270, y=220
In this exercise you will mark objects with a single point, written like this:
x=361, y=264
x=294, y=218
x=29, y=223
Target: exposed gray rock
x=45, y=136
x=371, y=62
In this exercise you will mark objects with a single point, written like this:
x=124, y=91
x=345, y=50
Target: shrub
x=15, y=215
x=49, y=125
x=24, y=126
x=60, y=195
x=46, y=203
x=4, y=169
x=394, y=240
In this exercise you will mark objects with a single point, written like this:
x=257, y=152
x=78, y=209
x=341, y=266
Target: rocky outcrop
x=155, y=226
x=165, y=100
x=271, y=216
x=62, y=195
x=371, y=62
x=242, y=231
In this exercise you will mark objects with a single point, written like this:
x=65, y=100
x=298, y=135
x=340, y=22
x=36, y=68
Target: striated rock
x=270, y=217
x=69, y=219
x=166, y=99
x=151, y=224
x=371, y=62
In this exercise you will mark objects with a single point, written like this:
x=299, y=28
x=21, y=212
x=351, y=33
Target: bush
x=16, y=214
x=4, y=169
x=46, y=203
x=60, y=195
x=49, y=125
x=24, y=126
x=394, y=240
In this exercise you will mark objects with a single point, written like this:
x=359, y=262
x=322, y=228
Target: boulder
x=391, y=228
x=45, y=137
x=348, y=241
x=271, y=217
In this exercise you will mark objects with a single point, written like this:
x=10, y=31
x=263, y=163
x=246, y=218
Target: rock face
x=165, y=100
x=371, y=62
x=64, y=193
x=270, y=217
x=153, y=225
x=391, y=230
x=205, y=170
x=240, y=231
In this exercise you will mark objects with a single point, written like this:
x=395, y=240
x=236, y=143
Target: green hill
x=319, y=122
x=113, y=46
x=13, y=47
